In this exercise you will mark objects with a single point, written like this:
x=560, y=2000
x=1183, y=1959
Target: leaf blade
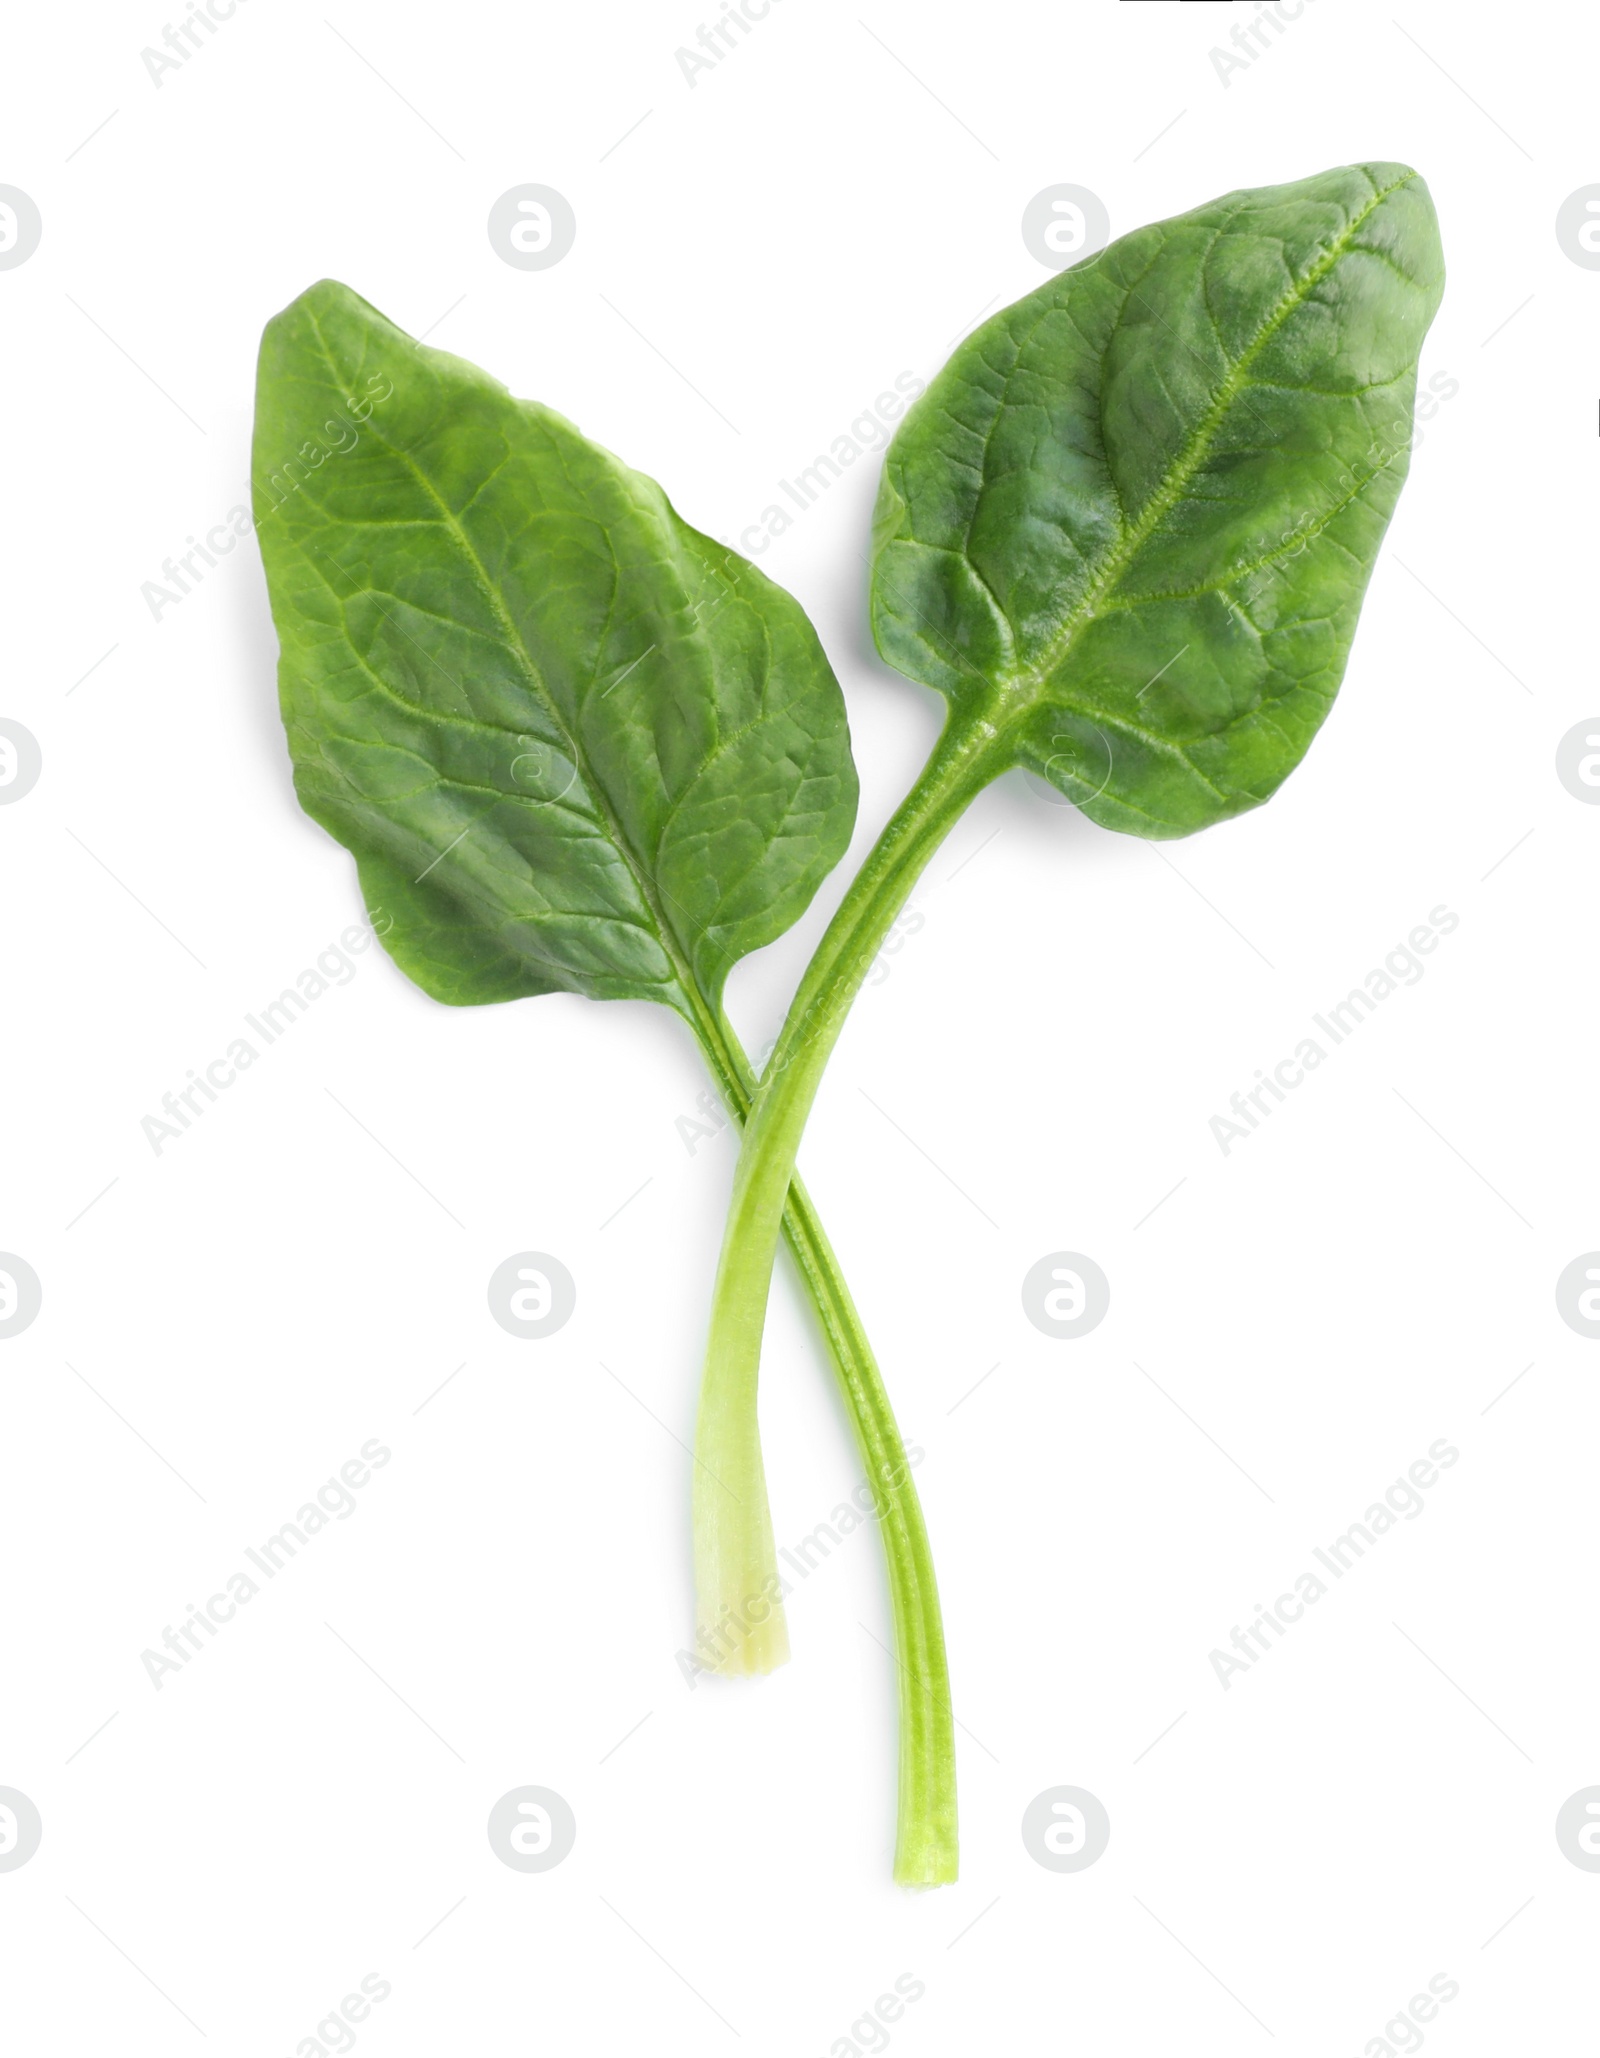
x=1134, y=516
x=518, y=682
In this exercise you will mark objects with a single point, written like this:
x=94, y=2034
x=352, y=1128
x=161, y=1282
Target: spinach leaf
x=1134, y=516
x=572, y=742
x=1125, y=532
x=574, y=745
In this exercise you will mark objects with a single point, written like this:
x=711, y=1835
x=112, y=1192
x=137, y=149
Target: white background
x=305, y=1803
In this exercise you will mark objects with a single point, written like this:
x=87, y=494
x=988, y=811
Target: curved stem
x=925, y=1846
x=925, y=1839
x=735, y=1563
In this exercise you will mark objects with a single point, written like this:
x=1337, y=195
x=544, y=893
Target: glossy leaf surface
x=1132, y=520
x=573, y=743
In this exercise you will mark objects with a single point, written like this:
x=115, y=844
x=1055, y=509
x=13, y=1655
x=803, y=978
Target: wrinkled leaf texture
x=573, y=743
x=1132, y=520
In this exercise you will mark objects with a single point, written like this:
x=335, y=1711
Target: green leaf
x=573, y=743
x=1132, y=520
x=1126, y=532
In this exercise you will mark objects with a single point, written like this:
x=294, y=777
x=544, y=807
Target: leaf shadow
x=254, y=644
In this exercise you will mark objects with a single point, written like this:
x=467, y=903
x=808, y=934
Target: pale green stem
x=736, y=1568
x=925, y=1852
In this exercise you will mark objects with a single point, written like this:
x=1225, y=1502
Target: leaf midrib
x=667, y=934
x=1029, y=688
x=450, y=782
